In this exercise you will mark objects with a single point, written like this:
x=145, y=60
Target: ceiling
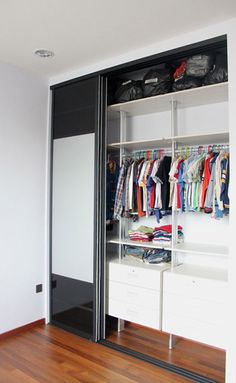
x=85, y=32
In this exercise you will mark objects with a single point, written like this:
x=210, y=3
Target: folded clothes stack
x=156, y=256
x=135, y=252
x=141, y=234
x=162, y=235
x=150, y=256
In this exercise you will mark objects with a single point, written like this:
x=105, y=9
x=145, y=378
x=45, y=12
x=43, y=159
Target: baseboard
x=20, y=329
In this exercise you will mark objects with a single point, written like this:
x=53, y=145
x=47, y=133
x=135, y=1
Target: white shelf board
x=201, y=272
x=200, y=248
x=186, y=98
x=143, y=145
x=194, y=248
x=128, y=242
x=165, y=142
x=202, y=139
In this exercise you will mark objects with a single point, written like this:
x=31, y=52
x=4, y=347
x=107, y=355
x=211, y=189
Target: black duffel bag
x=219, y=72
x=186, y=82
x=199, y=65
x=128, y=90
x=157, y=81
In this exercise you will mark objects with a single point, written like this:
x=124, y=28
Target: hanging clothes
x=111, y=182
x=119, y=198
x=200, y=183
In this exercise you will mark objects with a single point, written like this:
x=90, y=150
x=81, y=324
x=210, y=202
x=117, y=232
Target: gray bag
x=199, y=65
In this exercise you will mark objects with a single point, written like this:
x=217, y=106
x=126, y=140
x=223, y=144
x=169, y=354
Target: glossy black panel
x=75, y=108
x=75, y=96
x=80, y=121
x=72, y=303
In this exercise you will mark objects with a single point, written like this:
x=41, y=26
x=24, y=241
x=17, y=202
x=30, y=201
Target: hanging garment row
x=195, y=181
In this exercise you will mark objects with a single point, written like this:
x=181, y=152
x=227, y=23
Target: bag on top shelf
x=199, y=65
x=128, y=90
x=186, y=82
x=218, y=73
x=157, y=81
x=182, y=81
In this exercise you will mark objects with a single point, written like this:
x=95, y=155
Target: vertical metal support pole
x=121, y=325
x=172, y=341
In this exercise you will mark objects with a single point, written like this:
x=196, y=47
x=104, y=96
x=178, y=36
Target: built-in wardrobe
x=151, y=282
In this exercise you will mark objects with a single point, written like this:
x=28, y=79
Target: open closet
x=140, y=208
x=167, y=219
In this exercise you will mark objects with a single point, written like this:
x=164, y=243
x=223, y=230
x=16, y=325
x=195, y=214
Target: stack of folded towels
x=141, y=234
x=162, y=235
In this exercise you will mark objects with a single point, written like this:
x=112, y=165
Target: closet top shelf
x=203, y=95
x=194, y=139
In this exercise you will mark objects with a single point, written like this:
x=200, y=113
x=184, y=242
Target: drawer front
x=136, y=276
x=194, y=309
x=192, y=287
x=134, y=313
x=203, y=332
x=134, y=295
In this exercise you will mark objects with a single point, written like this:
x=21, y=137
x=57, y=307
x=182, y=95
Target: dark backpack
x=157, y=81
x=128, y=90
x=186, y=82
x=219, y=72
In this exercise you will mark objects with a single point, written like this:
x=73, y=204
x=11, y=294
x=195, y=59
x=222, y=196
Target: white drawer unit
x=134, y=292
x=135, y=275
x=145, y=316
x=194, y=305
x=134, y=295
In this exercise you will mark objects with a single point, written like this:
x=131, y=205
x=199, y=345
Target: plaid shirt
x=118, y=207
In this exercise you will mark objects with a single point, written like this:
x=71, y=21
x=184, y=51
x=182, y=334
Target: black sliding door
x=73, y=242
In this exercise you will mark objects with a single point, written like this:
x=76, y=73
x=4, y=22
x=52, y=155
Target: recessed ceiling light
x=44, y=53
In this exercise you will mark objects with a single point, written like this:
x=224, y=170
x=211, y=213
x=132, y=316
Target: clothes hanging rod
x=184, y=149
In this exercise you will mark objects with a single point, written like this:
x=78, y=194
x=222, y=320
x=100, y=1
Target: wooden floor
x=196, y=357
x=47, y=354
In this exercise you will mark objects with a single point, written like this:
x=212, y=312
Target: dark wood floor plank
x=47, y=354
x=193, y=356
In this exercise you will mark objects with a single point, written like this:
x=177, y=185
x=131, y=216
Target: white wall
x=23, y=142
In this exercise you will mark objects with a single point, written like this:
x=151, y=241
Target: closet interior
x=166, y=220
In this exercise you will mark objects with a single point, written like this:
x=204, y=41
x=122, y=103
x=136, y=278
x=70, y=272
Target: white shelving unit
x=172, y=141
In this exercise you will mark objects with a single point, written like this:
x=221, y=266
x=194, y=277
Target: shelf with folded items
x=165, y=142
x=203, y=95
x=129, y=242
x=202, y=249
